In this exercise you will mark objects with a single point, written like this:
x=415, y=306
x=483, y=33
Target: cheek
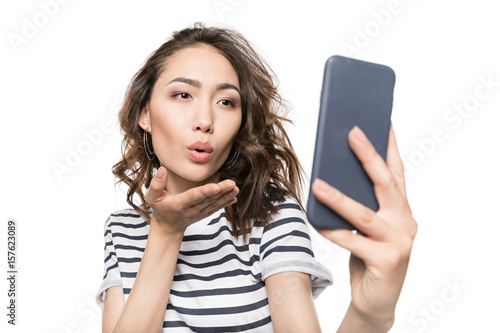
x=231, y=129
x=165, y=131
x=166, y=119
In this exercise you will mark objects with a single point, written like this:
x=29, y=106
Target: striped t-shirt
x=219, y=281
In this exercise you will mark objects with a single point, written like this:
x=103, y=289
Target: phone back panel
x=354, y=93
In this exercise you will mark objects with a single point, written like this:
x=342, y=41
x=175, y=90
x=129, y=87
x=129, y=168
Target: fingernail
x=160, y=173
x=322, y=186
x=359, y=135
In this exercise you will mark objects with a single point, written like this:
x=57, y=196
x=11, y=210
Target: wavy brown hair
x=266, y=169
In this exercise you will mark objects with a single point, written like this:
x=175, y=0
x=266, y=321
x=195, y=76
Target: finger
x=360, y=216
x=394, y=162
x=223, y=201
x=157, y=186
x=360, y=246
x=385, y=186
x=212, y=209
x=218, y=201
x=199, y=197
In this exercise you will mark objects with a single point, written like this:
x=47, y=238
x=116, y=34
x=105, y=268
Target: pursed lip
x=201, y=147
x=200, y=151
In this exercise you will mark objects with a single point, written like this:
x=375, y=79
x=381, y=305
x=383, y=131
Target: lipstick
x=200, y=151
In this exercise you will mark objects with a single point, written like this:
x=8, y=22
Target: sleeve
x=286, y=246
x=111, y=269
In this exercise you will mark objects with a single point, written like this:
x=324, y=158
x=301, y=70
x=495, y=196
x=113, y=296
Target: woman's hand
x=144, y=310
x=173, y=213
x=379, y=258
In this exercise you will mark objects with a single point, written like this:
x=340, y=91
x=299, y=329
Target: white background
x=69, y=75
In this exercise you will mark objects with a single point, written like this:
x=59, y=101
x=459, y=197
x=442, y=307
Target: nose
x=203, y=118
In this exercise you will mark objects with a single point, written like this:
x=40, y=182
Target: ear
x=144, y=120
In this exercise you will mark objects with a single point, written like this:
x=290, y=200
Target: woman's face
x=193, y=115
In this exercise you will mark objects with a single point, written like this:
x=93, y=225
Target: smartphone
x=358, y=93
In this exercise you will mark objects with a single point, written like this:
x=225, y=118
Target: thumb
x=157, y=185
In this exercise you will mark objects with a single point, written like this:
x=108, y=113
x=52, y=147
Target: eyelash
x=231, y=103
x=181, y=93
x=186, y=96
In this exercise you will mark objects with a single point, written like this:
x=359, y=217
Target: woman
x=219, y=240
x=224, y=246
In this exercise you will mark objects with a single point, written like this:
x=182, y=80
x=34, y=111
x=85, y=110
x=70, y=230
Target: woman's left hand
x=379, y=258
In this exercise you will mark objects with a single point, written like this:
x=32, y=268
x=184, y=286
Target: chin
x=199, y=175
x=202, y=179
x=192, y=172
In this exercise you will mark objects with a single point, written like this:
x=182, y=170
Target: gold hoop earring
x=150, y=154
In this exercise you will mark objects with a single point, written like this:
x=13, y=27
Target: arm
x=145, y=308
x=380, y=254
x=291, y=304
x=113, y=306
x=354, y=321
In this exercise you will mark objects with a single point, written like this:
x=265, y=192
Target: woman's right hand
x=173, y=213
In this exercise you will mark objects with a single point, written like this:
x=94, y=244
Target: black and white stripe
x=218, y=284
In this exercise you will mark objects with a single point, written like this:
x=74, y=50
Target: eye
x=227, y=102
x=181, y=95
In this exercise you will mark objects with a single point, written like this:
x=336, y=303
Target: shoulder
x=288, y=225
x=289, y=203
x=127, y=216
x=124, y=219
x=286, y=247
x=289, y=212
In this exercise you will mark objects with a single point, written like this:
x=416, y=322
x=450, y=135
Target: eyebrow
x=197, y=84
